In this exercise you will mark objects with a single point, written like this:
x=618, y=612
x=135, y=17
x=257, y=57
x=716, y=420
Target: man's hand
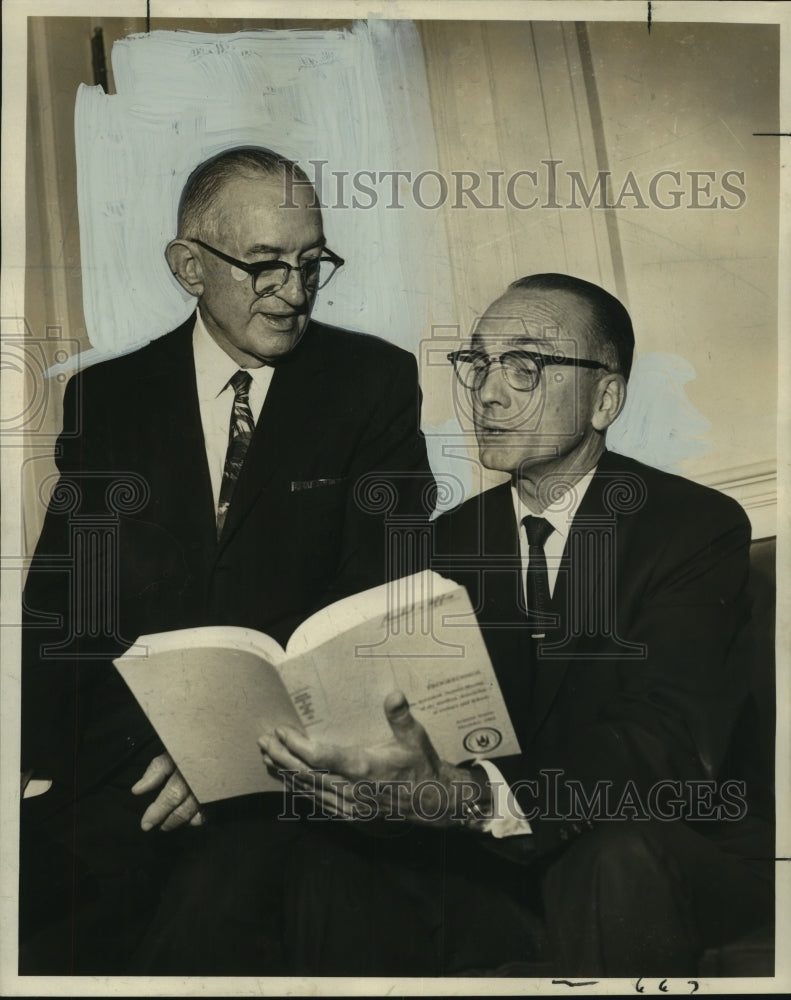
x=175, y=804
x=403, y=778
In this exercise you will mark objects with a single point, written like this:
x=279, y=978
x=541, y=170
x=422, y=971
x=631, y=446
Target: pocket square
x=312, y=484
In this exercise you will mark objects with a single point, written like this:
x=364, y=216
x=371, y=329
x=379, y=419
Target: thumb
x=401, y=721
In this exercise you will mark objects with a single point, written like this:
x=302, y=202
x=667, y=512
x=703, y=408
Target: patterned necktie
x=538, y=531
x=241, y=432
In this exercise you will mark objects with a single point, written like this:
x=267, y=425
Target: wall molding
x=754, y=486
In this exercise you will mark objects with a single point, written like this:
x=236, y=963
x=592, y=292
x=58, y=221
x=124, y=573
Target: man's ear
x=185, y=266
x=610, y=398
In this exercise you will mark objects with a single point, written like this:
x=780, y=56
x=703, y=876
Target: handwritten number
x=663, y=986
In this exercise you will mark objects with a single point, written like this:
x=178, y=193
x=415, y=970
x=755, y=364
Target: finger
x=289, y=750
x=279, y=756
x=301, y=747
x=175, y=792
x=156, y=772
x=349, y=762
x=320, y=785
x=397, y=707
x=185, y=813
x=263, y=743
x=198, y=819
x=334, y=807
x=324, y=783
x=407, y=731
x=331, y=796
x=333, y=793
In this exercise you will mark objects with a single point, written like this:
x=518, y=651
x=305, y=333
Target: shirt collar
x=213, y=367
x=562, y=511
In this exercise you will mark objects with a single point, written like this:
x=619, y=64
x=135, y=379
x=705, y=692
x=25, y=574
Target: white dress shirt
x=213, y=371
x=560, y=515
x=508, y=819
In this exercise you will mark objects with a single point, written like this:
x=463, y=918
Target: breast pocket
x=314, y=494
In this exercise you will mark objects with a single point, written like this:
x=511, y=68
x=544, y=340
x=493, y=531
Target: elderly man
x=611, y=596
x=225, y=462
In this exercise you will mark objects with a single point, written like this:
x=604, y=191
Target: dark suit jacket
x=133, y=511
x=637, y=681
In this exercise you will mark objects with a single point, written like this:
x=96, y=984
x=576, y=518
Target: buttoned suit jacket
x=641, y=676
x=129, y=541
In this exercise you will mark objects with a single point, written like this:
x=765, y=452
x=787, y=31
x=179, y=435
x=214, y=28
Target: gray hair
x=196, y=217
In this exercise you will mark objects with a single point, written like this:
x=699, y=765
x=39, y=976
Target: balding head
x=197, y=213
x=603, y=319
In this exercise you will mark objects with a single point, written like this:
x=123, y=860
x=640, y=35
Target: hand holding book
x=403, y=778
x=211, y=692
x=175, y=804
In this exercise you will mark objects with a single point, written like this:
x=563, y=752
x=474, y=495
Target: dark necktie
x=241, y=432
x=538, y=531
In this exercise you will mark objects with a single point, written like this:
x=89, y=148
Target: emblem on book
x=482, y=740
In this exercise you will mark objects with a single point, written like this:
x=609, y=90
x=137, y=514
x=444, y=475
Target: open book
x=211, y=692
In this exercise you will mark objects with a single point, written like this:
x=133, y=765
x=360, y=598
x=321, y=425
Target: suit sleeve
x=78, y=719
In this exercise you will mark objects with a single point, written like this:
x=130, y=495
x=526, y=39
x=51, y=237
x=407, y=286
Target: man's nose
x=293, y=291
x=493, y=389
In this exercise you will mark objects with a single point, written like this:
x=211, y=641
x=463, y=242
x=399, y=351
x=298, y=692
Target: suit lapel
x=503, y=599
x=586, y=572
x=501, y=615
x=179, y=472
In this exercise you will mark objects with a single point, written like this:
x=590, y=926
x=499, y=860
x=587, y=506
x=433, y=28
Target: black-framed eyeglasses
x=522, y=369
x=269, y=276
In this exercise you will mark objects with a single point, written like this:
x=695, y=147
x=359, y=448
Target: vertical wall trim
x=52, y=209
x=600, y=146
x=547, y=129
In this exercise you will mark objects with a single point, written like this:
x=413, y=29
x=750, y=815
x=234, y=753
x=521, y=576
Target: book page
x=221, y=636
x=209, y=705
x=348, y=613
x=430, y=647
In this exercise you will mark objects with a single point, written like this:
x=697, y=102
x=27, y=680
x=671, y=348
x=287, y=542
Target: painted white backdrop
x=355, y=100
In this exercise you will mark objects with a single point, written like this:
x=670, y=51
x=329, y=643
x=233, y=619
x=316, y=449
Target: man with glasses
x=611, y=596
x=248, y=436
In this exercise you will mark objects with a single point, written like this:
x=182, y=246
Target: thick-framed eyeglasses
x=522, y=369
x=269, y=276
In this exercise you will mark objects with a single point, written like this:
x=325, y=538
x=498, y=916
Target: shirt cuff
x=507, y=819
